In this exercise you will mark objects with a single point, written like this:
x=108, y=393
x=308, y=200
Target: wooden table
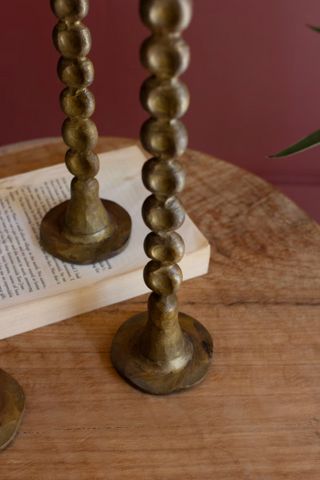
x=256, y=416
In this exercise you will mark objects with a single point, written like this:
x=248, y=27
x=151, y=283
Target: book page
x=27, y=272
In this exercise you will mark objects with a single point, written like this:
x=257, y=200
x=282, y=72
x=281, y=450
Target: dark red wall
x=254, y=77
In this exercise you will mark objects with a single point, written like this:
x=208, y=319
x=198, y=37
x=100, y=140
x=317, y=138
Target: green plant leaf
x=308, y=142
x=316, y=29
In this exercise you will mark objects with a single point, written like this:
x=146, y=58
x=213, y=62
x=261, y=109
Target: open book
x=37, y=289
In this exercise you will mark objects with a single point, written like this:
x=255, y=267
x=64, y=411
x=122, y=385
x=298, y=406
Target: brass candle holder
x=12, y=406
x=84, y=229
x=163, y=351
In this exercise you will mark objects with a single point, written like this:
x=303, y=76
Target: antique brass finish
x=174, y=373
x=82, y=231
x=12, y=406
x=163, y=351
x=71, y=252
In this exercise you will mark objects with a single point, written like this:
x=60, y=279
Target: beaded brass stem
x=12, y=406
x=85, y=229
x=163, y=351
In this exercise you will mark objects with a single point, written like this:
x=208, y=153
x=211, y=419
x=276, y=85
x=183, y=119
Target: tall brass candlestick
x=12, y=405
x=163, y=351
x=85, y=229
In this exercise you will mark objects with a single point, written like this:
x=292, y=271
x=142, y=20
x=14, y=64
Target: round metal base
x=12, y=406
x=58, y=246
x=128, y=366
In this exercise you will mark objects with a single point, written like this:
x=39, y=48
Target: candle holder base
x=12, y=406
x=57, y=245
x=127, y=360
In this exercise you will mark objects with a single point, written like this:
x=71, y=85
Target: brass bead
x=163, y=138
x=80, y=134
x=169, y=16
x=73, y=40
x=164, y=98
x=65, y=9
x=163, y=56
x=75, y=73
x=78, y=104
x=162, y=280
x=167, y=248
x=82, y=165
x=165, y=177
x=163, y=216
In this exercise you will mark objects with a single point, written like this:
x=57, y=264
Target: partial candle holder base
x=12, y=406
x=84, y=254
x=127, y=361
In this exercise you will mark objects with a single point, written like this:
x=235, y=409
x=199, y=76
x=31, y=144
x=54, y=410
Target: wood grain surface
x=255, y=417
